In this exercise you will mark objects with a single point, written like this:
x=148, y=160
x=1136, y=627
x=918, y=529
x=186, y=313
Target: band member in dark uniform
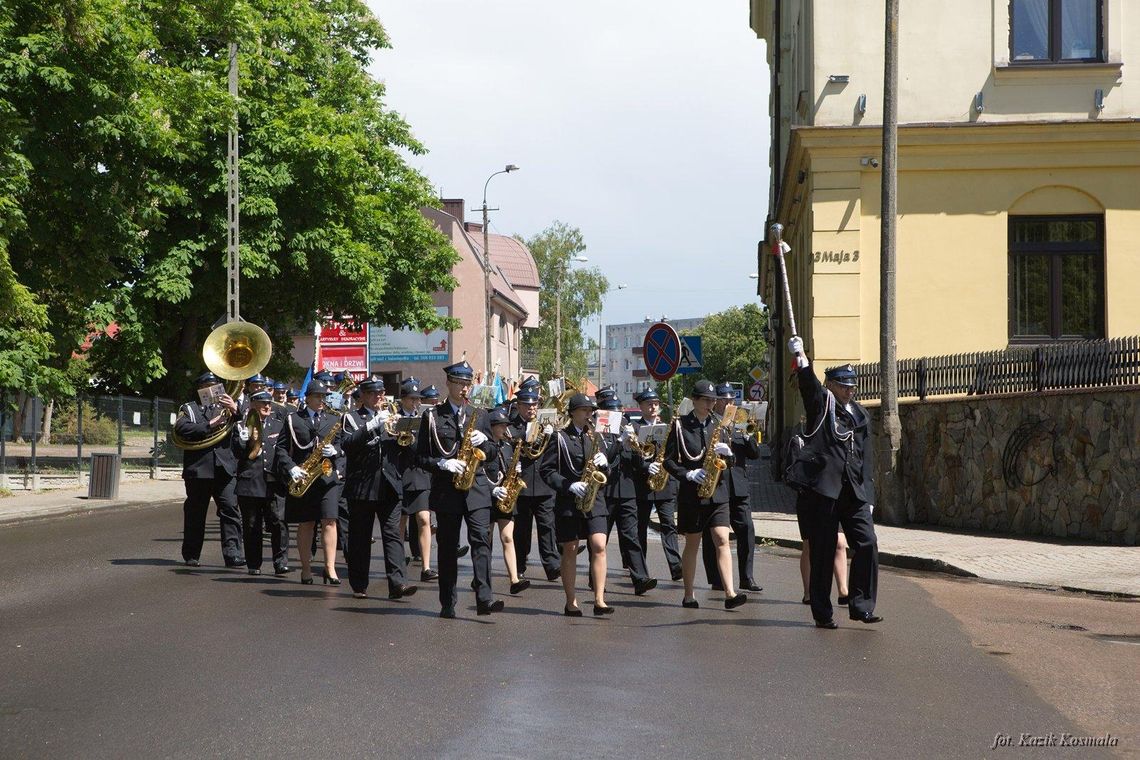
x=744, y=448
x=685, y=453
x=536, y=502
x=835, y=477
x=372, y=486
x=562, y=467
x=438, y=443
x=260, y=494
x=280, y=392
x=621, y=497
x=665, y=500
x=499, y=421
x=207, y=473
x=305, y=429
x=416, y=484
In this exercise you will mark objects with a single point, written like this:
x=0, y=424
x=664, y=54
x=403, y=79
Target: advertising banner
x=386, y=345
x=350, y=359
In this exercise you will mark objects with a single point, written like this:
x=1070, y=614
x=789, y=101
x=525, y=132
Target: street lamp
x=487, y=265
x=558, y=316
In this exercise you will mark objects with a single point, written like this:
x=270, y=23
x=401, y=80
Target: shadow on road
x=157, y=561
x=394, y=610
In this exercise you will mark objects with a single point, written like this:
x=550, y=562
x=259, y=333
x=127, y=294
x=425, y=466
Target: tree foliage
x=580, y=290
x=114, y=119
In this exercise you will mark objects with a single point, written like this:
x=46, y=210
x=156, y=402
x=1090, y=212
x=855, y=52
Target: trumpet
x=403, y=438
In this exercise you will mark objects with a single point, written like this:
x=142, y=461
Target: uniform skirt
x=578, y=527
x=695, y=517
x=416, y=501
x=320, y=502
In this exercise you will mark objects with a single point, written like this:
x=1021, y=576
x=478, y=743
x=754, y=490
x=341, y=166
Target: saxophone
x=593, y=478
x=469, y=455
x=513, y=483
x=713, y=463
x=658, y=482
x=316, y=465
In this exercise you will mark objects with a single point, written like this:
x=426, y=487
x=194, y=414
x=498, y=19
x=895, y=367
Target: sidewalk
x=132, y=493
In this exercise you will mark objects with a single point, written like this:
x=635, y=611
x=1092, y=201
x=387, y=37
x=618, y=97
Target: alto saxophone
x=470, y=455
x=658, y=482
x=713, y=463
x=593, y=478
x=316, y=465
x=513, y=483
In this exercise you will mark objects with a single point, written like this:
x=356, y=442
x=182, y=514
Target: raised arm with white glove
x=697, y=476
x=578, y=488
x=796, y=346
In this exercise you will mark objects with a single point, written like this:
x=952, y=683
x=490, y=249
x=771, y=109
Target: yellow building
x=1018, y=182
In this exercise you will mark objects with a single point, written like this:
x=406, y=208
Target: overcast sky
x=641, y=122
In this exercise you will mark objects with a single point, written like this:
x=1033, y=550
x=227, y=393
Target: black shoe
x=829, y=624
x=521, y=586
x=487, y=609
x=868, y=618
x=553, y=575
x=806, y=600
x=448, y=613
x=407, y=561
x=192, y=563
x=640, y=587
x=463, y=551
x=428, y=575
x=733, y=602
x=254, y=571
x=843, y=600
x=472, y=584
x=750, y=585
x=235, y=563
x=399, y=592
x=690, y=604
x=716, y=586
x=601, y=611
x=571, y=612
x=676, y=574
x=306, y=581
x=281, y=570
x=329, y=580
x=360, y=594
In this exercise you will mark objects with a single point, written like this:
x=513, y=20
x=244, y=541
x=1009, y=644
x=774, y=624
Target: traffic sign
x=690, y=362
x=661, y=351
x=757, y=373
x=756, y=391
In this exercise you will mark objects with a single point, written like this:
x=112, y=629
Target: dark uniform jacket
x=440, y=436
x=413, y=477
x=641, y=466
x=623, y=470
x=257, y=477
x=561, y=467
x=535, y=485
x=744, y=447
x=193, y=424
x=298, y=438
x=839, y=450
x=687, y=452
x=370, y=459
x=493, y=473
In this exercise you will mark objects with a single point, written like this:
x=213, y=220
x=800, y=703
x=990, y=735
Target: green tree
x=580, y=291
x=121, y=111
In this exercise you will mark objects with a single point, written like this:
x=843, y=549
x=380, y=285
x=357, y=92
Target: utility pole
x=890, y=440
x=558, y=325
x=233, y=263
x=487, y=283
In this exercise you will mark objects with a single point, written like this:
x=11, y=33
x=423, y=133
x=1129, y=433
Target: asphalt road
x=112, y=648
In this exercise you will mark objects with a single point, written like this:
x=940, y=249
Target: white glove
x=548, y=430
x=297, y=474
x=478, y=438
x=454, y=466
x=723, y=449
x=375, y=422
x=697, y=476
x=518, y=468
x=499, y=492
x=383, y=414
x=796, y=345
x=654, y=468
x=578, y=489
x=243, y=433
x=871, y=507
x=600, y=459
x=328, y=450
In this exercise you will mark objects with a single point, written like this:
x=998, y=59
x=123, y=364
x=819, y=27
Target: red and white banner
x=350, y=359
x=336, y=333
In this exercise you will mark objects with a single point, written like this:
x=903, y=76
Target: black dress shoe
x=463, y=551
x=487, y=609
x=676, y=575
x=330, y=580
x=690, y=604
x=428, y=575
x=735, y=601
x=640, y=587
x=281, y=570
x=571, y=612
x=868, y=618
x=829, y=624
x=254, y=571
x=448, y=613
x=842, y=600
x=522, y=585
x=401, y=591
x=750, y=585
x=553, y=575
x=192, y=563
x=360, y=594
x=235, y=563
x=306, y=581
x=600, y=611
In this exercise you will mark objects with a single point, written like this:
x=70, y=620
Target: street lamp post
x=487, y=266
x=558, y=315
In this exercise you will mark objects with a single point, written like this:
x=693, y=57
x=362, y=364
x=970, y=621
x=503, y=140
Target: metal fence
x=1087, y=364
x=45, y=443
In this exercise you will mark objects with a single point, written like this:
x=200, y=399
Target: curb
x=94, y=505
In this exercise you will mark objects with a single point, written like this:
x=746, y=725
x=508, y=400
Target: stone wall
x=1061, y=464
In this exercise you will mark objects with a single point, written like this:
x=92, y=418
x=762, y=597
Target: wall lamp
x=979, y=103
x=1098, y=100
x=839, y=78
x=861, y=104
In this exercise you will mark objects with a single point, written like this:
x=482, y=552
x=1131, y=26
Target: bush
x=97, y=431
